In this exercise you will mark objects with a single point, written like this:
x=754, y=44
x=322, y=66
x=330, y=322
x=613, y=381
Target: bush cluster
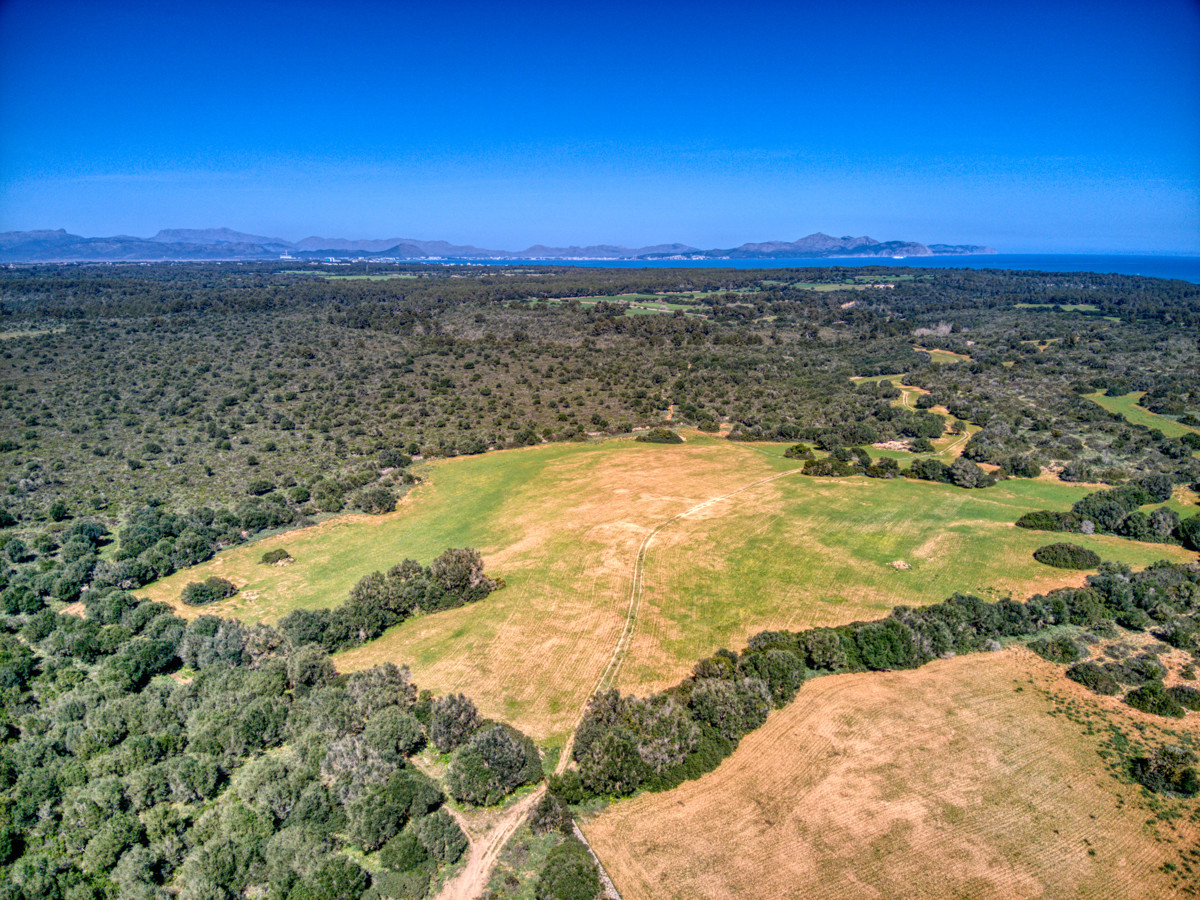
x=251, y=778
x=380, y=600
x=659, y=436
x=210, y=590
x=1116, y=511
x=1066, y=556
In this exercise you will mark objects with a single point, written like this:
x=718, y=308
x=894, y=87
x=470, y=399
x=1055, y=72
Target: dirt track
x=471, y=882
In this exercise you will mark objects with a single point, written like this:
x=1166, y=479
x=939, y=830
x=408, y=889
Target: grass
x=561, y=523
x=1127, y=407
x=959, y=779
x=944, y=357
x=639, y=304
x=1065, y=307
x=804, y=552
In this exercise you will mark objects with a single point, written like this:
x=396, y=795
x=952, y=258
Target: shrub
x=212, y=589
x=1058, y=649
x=1136, y=671
x=1187, y=697
x=798, y=451
x=492, y=764
x=453, y=719
x=827, y=468
x=928, y=470
x=395, y=733
x=404, y=852
x=276, y=557
x=1093, y=676
x=731, y=707
x=1045, y=520
x=441, y=837
x=376, y=500
x=1153, y=698
x=659, y=436
x=551, y=814
x=1168, y=769
x=1188, y=532
x=1066, y=556
x=569, y=873
x=258, y=487
x=381, y=812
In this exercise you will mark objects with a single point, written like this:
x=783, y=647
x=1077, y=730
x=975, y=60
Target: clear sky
x=1034, y=127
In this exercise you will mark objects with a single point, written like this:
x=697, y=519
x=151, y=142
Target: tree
x=395, y=733
x=492, y=764
x=569, y=873
x=441, y=837
x=453, y=719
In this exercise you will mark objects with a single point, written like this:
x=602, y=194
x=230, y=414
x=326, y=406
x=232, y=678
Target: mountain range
x=226, y=244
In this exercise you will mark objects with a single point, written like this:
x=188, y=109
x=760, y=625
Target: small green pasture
x=639, y=304
x=1127, y=407
x=1065, y=307
x=944, y=357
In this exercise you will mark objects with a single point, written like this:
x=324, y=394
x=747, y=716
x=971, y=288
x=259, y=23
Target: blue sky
x=1034, y=127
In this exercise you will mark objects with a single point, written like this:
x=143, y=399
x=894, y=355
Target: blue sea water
x=1184, y=268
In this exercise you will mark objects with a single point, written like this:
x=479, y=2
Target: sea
x=1183, y=268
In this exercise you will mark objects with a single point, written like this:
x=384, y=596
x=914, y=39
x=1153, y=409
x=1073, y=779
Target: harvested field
x=973, y=777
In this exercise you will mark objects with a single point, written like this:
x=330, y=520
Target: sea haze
x=1183, y=268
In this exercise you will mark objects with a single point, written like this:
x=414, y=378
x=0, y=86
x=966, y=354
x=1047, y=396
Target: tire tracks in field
x=609, y=675
x=484, y=850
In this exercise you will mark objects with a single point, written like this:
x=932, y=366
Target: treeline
x=627, y=743
x=1117, y=511
x=380, y=600
x=61, y=562
x=143, y=756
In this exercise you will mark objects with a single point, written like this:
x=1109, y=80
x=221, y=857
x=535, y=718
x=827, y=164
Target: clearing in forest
x=1127, y=407
x=562, y=523
x=971, y=777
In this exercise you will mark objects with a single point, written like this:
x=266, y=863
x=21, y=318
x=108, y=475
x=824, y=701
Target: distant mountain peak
x=226, y=243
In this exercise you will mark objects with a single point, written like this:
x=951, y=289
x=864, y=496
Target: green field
x=639, y=304
x=1127, y=407
x=944, y=357
x=562, y=524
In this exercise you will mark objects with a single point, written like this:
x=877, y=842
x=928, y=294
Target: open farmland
x=971, y=777
x=562, y=525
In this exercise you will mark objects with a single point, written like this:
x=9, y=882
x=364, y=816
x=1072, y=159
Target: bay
x=1183, y=268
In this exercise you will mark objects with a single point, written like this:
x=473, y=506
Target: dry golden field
x=975, y=777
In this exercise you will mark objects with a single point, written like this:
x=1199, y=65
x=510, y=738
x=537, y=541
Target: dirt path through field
x=609, y=676
x=471, y=882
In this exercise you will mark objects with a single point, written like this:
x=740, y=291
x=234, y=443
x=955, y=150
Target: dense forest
x=277, y=395
x=151, y=415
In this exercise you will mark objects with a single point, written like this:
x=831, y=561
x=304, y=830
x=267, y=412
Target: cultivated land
x=562, y=525
x=972, y=777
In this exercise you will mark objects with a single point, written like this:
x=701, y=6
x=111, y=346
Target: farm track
x=609, y=675
x=485, y=850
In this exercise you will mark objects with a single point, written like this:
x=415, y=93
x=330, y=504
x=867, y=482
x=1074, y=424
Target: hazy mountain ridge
x=228, y=244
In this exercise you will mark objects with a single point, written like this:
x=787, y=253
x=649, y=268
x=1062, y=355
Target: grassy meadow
x=562, y=524
x=1127, y=407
